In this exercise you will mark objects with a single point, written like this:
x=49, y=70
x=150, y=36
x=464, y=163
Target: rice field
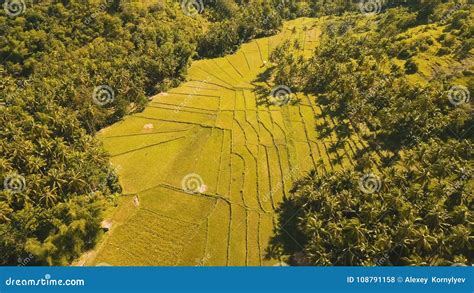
x=243, y=157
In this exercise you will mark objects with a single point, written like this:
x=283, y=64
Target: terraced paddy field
x=243, y=156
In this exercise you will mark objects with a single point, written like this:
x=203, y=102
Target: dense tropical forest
x=395, y=74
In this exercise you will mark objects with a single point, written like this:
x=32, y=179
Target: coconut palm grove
x=236, y=133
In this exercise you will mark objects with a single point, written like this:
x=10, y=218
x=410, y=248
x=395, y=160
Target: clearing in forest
x=210, y=133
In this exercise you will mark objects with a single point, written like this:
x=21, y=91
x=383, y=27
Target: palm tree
x=49, y=198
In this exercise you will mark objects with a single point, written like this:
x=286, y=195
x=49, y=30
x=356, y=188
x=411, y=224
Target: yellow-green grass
x=247, y=156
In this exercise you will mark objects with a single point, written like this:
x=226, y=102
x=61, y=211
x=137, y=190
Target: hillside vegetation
x=403, y=86
x=68, y=69
x=236, y=132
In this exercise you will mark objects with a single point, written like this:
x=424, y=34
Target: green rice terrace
x=209, y=132
x=237, y=133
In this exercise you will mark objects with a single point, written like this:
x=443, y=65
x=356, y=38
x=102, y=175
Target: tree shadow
x=265, y=75
x=286, y=239
x=322, y=100
x=336, y=145
x=342, y=130
x=262, y=92
x=324, y=130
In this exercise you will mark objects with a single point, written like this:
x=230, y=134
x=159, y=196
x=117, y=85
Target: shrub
x=411, y=67
x=404, y=54
x=443, y=51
